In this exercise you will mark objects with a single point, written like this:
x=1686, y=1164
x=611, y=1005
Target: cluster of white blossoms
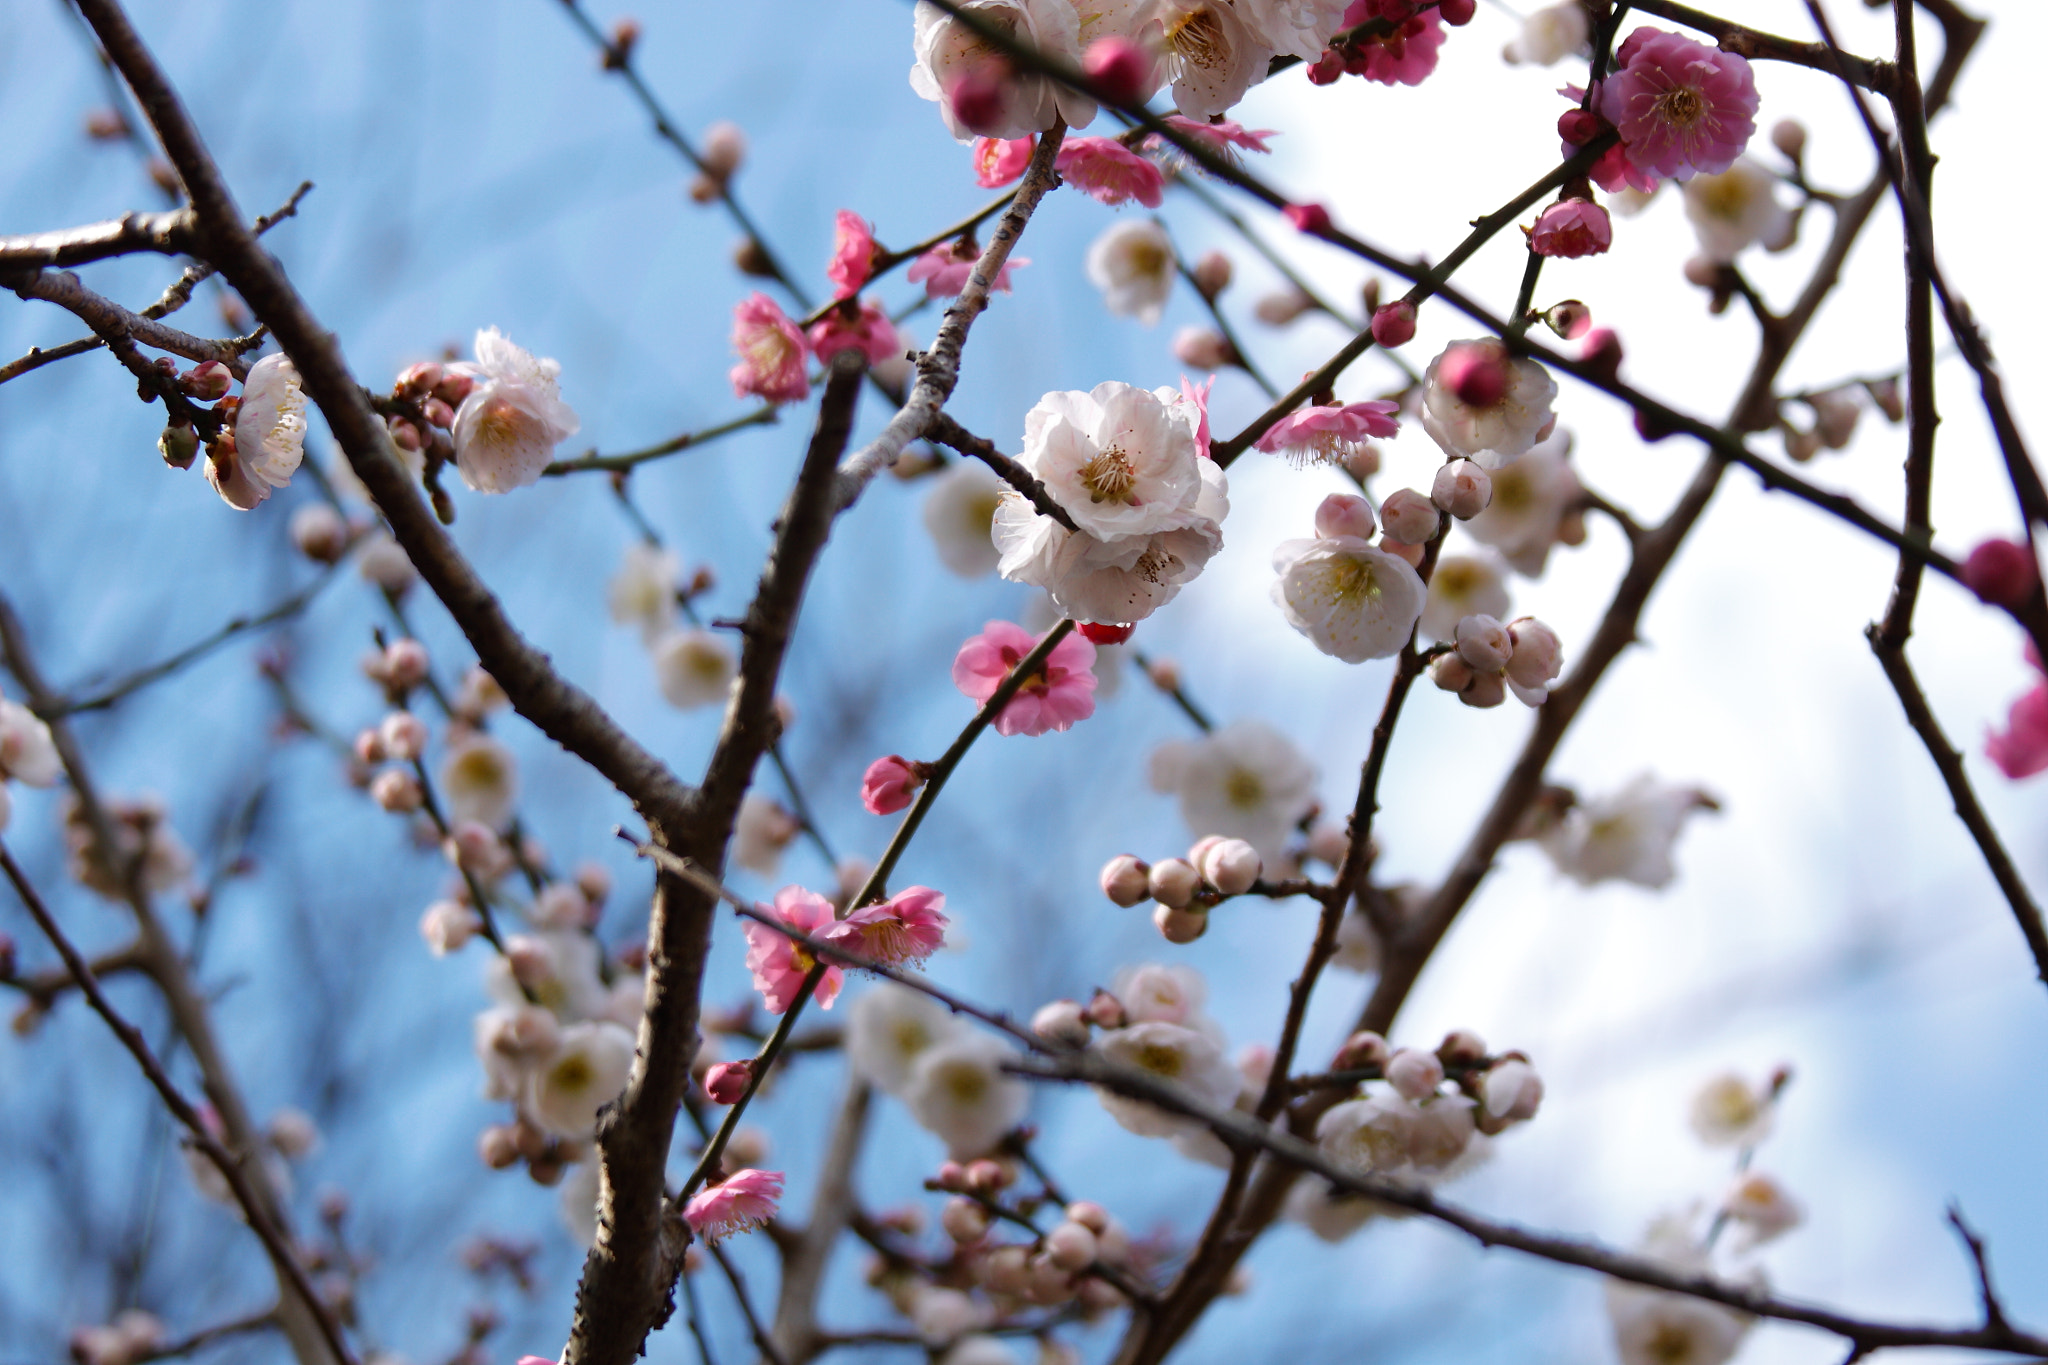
x=1625, y=836
x=1128, y=466
x=1652, y=1327
x=948, y=1076
x=28, y=755
x=692, y=666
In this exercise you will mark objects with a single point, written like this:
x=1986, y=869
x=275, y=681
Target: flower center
x=573, y=1073
x=769, y=350
x=503, y=423
x=1159, y=1059
x=1670, y=1345
x=1200, y=40
x=1681, y=107
x=1352, y=581
x=1109, y=477
x=1152, y=565
x=1511, y=491
x=1148, y=258
x=801, y=959
x=1243, y=789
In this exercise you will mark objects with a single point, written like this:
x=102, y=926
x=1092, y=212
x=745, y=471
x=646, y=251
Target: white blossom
x=1121, y=460
x=1244, y=780
x=1550, y=35
x=270, y=436
x=1212, y=55
x=28, y=754
x=1133, y=265
x=1173, y=1053
x=511, y=1042
x=1730, y=1112
x=643, y=592
x=1368, y=1136
x=1490, y=434
x=479, y=780
x=959, y=1091
x=1627, y=836
x=586, y=1073
x=1737, y=209
x=559, y=969
x=1462, y=586
x=1763, y=1208
x=1353, y=602
x=1153, y=992
x=508, y=427
x=1331, y=1214
x=946, y=49
x=1532, y=499
x=889, y=1028
x=693, y=668
x=960, y=513
x=1296, y=28
x=1652, y=1327
x=762, y=830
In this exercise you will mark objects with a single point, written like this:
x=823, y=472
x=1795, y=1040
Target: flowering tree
x=639, y=1007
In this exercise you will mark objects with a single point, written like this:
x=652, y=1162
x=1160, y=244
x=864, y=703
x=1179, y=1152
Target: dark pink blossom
x=1060, y=693
x=773, y=357
x=2000, y=572
x=726, y=1083
x=853, y=255
x=944, y=269
x=998, y=161
x=2021, y=749
x=1110, y=173
x=1315, y=434
x=1308, y=217
x=1405, y=56
x=778, y=963
x=1572, y=227
x=890, y=783
x=743, y=1201
x=869, y=331
x=1682, y=108
x=1613, y=172
x=905, y=929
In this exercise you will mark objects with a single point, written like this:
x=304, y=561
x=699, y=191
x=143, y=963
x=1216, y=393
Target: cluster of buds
x=131, y=1337
x=1461, y=488
x=1408, y=520
x=505, y=1145
x=400, y=738
x=146, y=848
x=1503, y=1089
x=427, y=395
x=207, y=382
x=1488, y=660
x=1835, y=412
x=398, y=667
x=1380, y=55
x=1184, y=888
x=1055, y=1269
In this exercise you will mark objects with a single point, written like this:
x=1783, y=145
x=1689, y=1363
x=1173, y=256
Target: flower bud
x=725, y=147
x=2000, y=572
x=1231, y=866
x=1538, y=656
x=397, y=791
x=405, y=664
x=207, y=383
x=978, y=96
x=1579, y=126
x=1393, y=324
x=1476, y=371
x=438, y=413
x=619, y=51
x=1414, y=1074
x=368, y=746
x=1203, y=348
x=1363, y=462
x=385, y=565
x=1173, y=882
x=1279, y=309
x=1070, y=1247
x=726, y=1082
x=1451, y=673
x=1834, y=416
x=1511, y=1092
x=1401, y=549
x=1362, y=1051
x=1164, y=673
x=1122, y=71
x=292, y=1133
x=1462, y=488
x=751, y=258
x=890, y=784
x=1006, y=1270
x=1409, y=517
x=405, y=435
x=497, y=1146
x=1180, y=924
x=1788, y=135
x=179, y=445
x=1310, y=218
x=1105, y=1010
x=749, y=1147
x=1461, y=1047
x=447, y=925
x=1062, y=1021
x=319, y=533
x=1344, y=514
x=1212, y=274
x=1125, y=879
x=1487, y=690
x=1329, y=843
x=404, y=736
x=417, y=380
x=1704, y=272
x=964, y=1219
x=1089, y=1215
x=1102, y=633
x=1484, y=643
x=1569, y=319
x=990, y=1176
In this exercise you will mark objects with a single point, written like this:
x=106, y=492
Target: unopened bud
x=1393, y=324
x=1569, y=319
x=1165, y=674
x=405, y=664
x=752, y=259
x=1279, y=309
x=1364, y=1050
x=1476, y=371
x=1124, y=879
x=1344, y=514
x=1461, y=1047
x=1203, y=348
x=726, y=1082
x=1106, y=1011
x=1462, y=488
x=1173, y=881
x=1062, y=1021
x=2000, y=572
x=725, y=147
x=1788, y=135
x=1487, y=690
x=979, y=96
x=964, y=1220
x=397, y=791
x=1538, y=654
x=1409, y=517
x=1180, y=924
x=1070, y=1247
x=1451, y=672
x=404, y=736
x=1414, y=1074
x=1484, y=643
x=319, y=532
x=208, y=382
x=497, y=1146
x=1212, y=274
x=1232, y=866
x=179, y=445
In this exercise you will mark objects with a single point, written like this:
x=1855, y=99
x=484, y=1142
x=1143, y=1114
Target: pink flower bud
x=1403, y=550
x=1106, y=1011
x=1409, y=517
x=1179, y=924
x=1006, y=1270
x=1308, y=217
x=1601, y=351
x=453, y=388
x=979, y=97
x=1203, y=348
x=1231, y=866
x=405, y=435
x=405, y=664
x=964, y=1220
x=1569, y=319
x=319, y=533
x=1089, y=1215
x=207, y=383
x=1579, y=126
x=724, y=149
x=404, y=735
x=1538, y=656
x=1125, y=879
x=1361, y=1051
x=477, y=850
x=498, y=1147
x=1413, y=1073
x=2000, y=572
x=1789, y=137
x=890, y=783
x=1102, y=633
x=397, y=791
x=1487, y=690
x=1070, y=1247
x=1512, y=1091
x=1451, y=673
x=416, y=381
x=1200, y=849
x=1476, y=371
x=1279, y=309
x=1344, y=514
x=369, y=746
x=1212, y=274
x=1462, y=488
x=1062, y=1021
x=1572, y=228
x=990, y=1176
x=1457, y=13
x=1122, y=71
x=438, y=413
x=1393, y=324
x=727, y=1081
x=1173, y=882
x=1461, y=1047
x=1484, y=643
x=951, y=1175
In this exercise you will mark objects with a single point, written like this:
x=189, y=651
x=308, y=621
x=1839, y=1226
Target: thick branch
x=169, y=234
x=110, y=320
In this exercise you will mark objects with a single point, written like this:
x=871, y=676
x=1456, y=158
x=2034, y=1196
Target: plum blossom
x=693, y=668
x=741, y=1202
x=1550, y=34
x=1405, y=56
x=586, y=1072
x=1627, y=836
x=890, y=784
x=1244, y=780
x=959, y=1091
x=761, y=832
x=1295, y=28
x=28, y=753
x=1158, y=993
x=949, y=54
x=1212, y=55
x=853, y=254
x=1133, y=265
x=1172, y=1053
x=866, y=329
x=778, y=963
x=1110, y=173
x=1728, y=1111
x=1682, y=108
x=270, y=436
x=479, y=780
x=1118, y=581
x=1737, y=209
x=1352, y=601
x=1462, y=586
x=1223, y=139
x=905, y=929
x=960, y=513
x=1121, y=460
x=1485, y=404
x=1534, y=506
x=1330, y=434
x=643, y=592
x=1059, y=694
x=1762, y=1207
x=1572, y=227
x=513, y=417
x=945, y=268
x=773, y=357
x=1653, y=1327
x=998, y=161
x=2021, y=749
x=889, y=1028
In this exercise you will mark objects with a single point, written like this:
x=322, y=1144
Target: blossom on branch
x=1059, y=694
x=903, y=930
x=1624, y=837
x=779, y=964
x=773, y=357
x=1134, y=266
x=1682, y=108
x=1212, y=54
x=743, y=1201
x=28, y=753
x=978, y=90
x=1330, y=434
x=1572, y=227
x=1295, y=28
x=1737, y=209
x=1483, y=403
x=1108, y=172
x=1352, y=601
x=999, y=161
x=1244, y=780
x=853, y=254
x=868, y=330
x=944, y=270
x=513, y=417
x=269, y=436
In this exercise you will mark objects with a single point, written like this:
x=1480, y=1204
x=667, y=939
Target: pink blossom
x=1572, y=227
x=1393, y=324
x=1221, y=138
x=1328, y=433
x=945, y=268
x=890, y=783
x=1682, y=108
x=1613, y=172
x=726, y=1082
x=1308, y=217
x=2021, y=750
x=2000, y=572
x=1405, y=56
x=868, y=331
x=780, y=965
x=1110, y=173
x=742, y=1202
x=772, y=353
x=998, y=161
x=1062, y=692
x=906, y=928
x=1197, y=397
x=853, y=255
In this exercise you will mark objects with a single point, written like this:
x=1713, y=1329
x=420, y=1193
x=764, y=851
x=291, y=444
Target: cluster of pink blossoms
x=907, y=928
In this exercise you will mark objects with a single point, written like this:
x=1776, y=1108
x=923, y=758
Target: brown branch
x=947, y=432
x=42, y=988
x=1881, y=77
x=169, y=234
x=109, y=320
x=764, y=416
x=206, y=1336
